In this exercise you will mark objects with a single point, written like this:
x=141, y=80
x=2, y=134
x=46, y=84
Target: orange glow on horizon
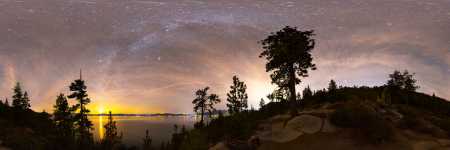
x=99, y=107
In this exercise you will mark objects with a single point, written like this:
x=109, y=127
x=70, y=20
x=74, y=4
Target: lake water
x=133, y=128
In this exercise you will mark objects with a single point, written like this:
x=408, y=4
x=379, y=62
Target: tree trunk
x=292, y=96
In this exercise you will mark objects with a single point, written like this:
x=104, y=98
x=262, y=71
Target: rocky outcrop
x=281, y=130
x=219, y=146
x=305, y=124
x=311, y=126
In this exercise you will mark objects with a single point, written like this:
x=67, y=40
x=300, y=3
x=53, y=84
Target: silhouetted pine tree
x=147, y=141
x=111, y=138
x=261, y=103
x=204, y=103
x=83, y=125
x=26, y=100
x=288, y=53
x=7, y=102
x=307, y=93
x=332, y=86
x=20, y=100
x=62, y=115
x=237, y=97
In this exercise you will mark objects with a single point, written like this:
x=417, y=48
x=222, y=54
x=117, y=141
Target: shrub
x=374, y=128
x=351, y=116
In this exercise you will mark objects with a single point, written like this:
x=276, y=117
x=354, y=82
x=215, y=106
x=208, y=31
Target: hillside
x=26, y=129
x=346, y=118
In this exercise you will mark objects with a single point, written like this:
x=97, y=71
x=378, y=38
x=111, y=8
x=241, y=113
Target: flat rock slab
x=425, y=145
x=279, y=136
x=278, y=133
x=305, y=124
x=219, y=146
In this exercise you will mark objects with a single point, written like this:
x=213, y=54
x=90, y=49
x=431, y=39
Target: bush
x=351, y=116
x=374, y=128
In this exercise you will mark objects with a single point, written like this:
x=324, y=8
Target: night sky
x=141, y=56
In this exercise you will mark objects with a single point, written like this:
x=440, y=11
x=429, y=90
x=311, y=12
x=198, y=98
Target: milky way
x=143, y=56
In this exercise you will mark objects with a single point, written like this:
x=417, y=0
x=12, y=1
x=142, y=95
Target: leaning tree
x=204, y=102
x=288, y=54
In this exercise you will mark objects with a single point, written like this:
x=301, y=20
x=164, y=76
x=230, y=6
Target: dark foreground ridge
x=346, y=118
x=350, y=117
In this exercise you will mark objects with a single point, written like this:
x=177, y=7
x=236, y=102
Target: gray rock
x=305, y=124
x=279, y=136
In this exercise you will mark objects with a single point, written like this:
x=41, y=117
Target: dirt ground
x=330, y=141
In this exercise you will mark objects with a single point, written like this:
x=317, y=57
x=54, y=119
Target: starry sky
x=141, y=56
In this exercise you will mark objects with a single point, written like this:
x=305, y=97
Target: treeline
x=68, y=127
x=399, y=89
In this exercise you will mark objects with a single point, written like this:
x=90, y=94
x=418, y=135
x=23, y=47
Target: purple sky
x=142, y=56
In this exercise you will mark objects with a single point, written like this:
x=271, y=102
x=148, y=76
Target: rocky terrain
x=313, y=129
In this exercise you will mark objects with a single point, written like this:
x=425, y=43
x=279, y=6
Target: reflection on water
x=133, y=128
x=100, y=127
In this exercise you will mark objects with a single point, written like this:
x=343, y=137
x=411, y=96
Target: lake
x=133, y=128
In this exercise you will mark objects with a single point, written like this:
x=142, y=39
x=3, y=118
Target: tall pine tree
x=237, y=97
x=307, y=93
x=63, y=116
x=83, y=124
x=288, y=54
x=6, y=102
x=26, y=101
x=332, y=86
x=20, y=99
